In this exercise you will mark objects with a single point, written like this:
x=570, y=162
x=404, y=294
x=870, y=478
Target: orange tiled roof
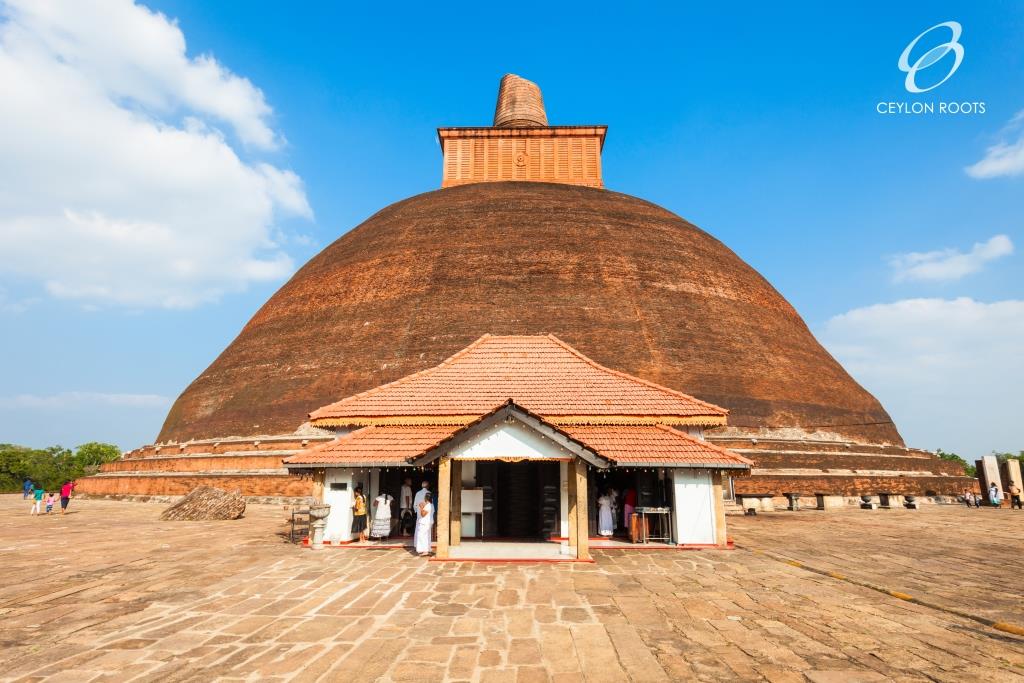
x=540, y=373
x=657, y=445
x=376, y=445
x=623, y=445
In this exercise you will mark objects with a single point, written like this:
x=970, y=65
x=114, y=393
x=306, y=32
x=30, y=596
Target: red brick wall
x=849, y=485
x=195, y=463
x=262, y=485
x=214, y=447
x=840, y=461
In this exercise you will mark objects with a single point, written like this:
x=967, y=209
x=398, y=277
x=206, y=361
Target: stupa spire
x=520, y=104
x=521, y=146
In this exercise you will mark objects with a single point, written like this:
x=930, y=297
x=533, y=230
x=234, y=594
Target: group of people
x=41, y=496
x=415, y=512
x=995, y=497
x=608, y=509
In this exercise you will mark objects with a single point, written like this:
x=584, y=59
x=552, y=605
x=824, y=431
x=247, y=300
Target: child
x=37, y=500
x=51, y=498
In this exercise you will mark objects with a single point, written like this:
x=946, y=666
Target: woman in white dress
x=605, y=520
x=381, y=527
x=424, y=525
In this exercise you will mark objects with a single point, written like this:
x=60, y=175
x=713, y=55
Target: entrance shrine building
x=518, y=437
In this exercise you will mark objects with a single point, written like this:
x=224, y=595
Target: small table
x=662, y=516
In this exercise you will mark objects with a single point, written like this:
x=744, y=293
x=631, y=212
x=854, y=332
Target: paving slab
x=109, y=592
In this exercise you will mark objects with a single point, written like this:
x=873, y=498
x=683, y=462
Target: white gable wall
x=510, y=440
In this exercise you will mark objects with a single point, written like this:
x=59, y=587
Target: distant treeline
x=51, y=466
x=969, y=468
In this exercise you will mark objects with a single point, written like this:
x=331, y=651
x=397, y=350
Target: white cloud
x=69, y=399
x=75, y=417
x=117, y=186
x=949, y=264
x=14, y=306
x=1004, y=158
x=948, y=371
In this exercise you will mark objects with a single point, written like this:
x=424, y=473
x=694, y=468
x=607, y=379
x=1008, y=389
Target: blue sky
x=757, y=123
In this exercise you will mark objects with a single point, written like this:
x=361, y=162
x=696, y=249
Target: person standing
x=405, y=516
x=424, y=491
x=605, y=520
x=614, y=495
x=994, y=495
x=26, y=489
x=424, y=524
x=628, y=504
x=1015, y=497
x=381, y=516
x=65, y=495
x=37, y=500
x=51, y=498
x=359, y=514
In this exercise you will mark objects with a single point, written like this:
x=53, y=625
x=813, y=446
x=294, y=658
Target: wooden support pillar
x=582, y=514
x=444, y=504
x=721, y=538
x=456, y=518
x=571, y=482
x=319, y=476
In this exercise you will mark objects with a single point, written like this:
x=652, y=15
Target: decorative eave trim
x=600, y=420
x=361, y=464
x=733, y=467
x=395, y=420
x=456, y=420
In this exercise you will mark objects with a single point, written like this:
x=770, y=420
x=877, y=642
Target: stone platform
x=110, y=593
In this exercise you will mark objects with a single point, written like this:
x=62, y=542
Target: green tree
x=969, y=469
x=1003, y=457
x=89, y=456
x=51, y=467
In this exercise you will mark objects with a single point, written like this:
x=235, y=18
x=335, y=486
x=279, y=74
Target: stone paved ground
x=965, y=559
x=110, y=593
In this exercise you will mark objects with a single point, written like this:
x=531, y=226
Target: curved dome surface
x=628, y=283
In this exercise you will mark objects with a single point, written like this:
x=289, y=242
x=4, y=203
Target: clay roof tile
x=540, y=373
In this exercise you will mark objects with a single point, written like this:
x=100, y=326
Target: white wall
x=563, y=476
x=339, y=521
x=693, y=507
x=510, y=441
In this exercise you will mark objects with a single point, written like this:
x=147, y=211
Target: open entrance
x=629, y=489
x=391, y=481
x=520, y=500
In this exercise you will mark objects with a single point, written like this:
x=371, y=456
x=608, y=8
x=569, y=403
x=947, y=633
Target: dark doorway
x=391, y=479
x=521, y=500
x=651, y=487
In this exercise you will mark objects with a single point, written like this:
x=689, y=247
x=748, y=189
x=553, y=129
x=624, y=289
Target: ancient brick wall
x=196, y=463
x=852, y=485
x=266, y=485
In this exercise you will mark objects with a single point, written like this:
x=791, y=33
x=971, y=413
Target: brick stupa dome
x=523, y=240
x=626, y=282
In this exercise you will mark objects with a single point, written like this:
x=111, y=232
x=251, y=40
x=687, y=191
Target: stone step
x=754, y=452
x=797, y=445
x=276, y=472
